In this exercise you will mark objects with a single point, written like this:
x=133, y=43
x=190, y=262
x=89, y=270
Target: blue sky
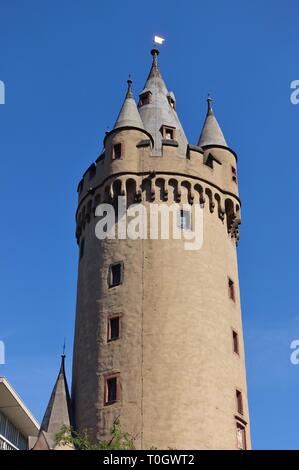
x=65, y=65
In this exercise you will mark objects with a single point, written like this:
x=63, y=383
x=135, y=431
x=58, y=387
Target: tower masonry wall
x=175, y=364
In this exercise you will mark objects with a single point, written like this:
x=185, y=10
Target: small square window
x=241, y=436
x=117, y=152
x=168, y=133
x=115, y=274
x=231, y=289
x=114, y=328
x=239, y=400
x=236, y=342
x=112, y=390
x=184, y=220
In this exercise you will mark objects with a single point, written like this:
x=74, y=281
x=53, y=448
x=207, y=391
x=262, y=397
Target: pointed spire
x=129, y=92
x=159, y=109
x=211, y=133
x=58, y=412
x=154, y=69
x=129, y=115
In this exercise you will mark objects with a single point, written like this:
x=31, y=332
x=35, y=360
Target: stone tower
x=158, y=336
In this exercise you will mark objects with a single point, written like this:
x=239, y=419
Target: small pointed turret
x=211, y=133
x=58, y=413
x=129, y=115
x=157, y=110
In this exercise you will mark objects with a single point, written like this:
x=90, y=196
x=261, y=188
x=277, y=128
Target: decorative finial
x=63, y=349
x=210, y=100
x=155, y=52
x=129, y=82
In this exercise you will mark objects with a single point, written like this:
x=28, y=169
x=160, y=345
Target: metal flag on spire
x=158, y=40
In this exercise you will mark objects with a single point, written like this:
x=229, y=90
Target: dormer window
x=168, y=133
x=144, y=98
x=171, y=100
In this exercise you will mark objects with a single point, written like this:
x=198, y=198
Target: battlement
x=161, y=187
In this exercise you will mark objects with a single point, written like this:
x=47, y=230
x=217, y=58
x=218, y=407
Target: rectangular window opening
x=241, y=437
x=117, y=152
x=112, y=389
x=236, y=342
x=231, y=289
x=168, y=133
x=113, y=328
x=234, y=174
x=239, y=401
x=115, y=275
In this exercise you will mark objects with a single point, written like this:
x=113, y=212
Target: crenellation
x=158, y=189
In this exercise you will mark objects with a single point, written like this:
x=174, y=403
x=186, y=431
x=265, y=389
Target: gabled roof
x=211, y=133
x=158, y=111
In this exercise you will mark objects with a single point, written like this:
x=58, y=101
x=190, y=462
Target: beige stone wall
x=178, y=371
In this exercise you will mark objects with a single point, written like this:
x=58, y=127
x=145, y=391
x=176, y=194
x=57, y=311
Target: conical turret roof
x=129, y=115
x=211, y=133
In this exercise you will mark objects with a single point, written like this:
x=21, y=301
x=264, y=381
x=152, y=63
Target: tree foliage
x=119, y=440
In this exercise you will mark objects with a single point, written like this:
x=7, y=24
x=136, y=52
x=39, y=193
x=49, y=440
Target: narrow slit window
x=112, y=390
x=241, y=436
x=236, y=342
x=81, y=252
x=117, y=151
x=239, y=400
x=234, y=174
x=231, y=290
x=209, y=161
x=113, y=328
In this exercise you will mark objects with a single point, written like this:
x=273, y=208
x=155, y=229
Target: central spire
x=155, y=52
x=157, y=110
